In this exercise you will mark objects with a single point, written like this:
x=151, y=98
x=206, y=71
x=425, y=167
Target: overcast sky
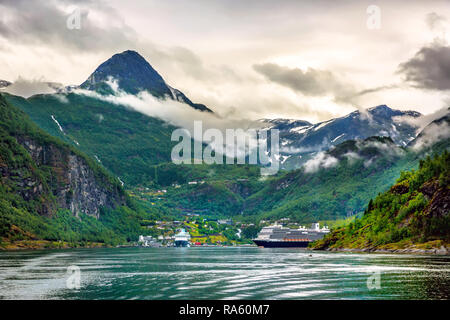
x=256, y=59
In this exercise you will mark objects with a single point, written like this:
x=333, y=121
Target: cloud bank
x=26, y=87
x=431, y=134
x=259, y=59
x=45, y=22
x=429, y=68
x=174, y=112
x=424, y=120
x=311, y=82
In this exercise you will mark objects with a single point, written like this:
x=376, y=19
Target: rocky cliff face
x=73, y=183
x=48, y=174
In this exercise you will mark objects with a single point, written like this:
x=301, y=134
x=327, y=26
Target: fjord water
x=222, y=273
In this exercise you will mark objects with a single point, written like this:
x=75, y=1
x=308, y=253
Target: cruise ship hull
x=281, y=244
x=181, y=243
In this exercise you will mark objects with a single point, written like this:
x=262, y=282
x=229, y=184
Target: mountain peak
x=384, y=110
x=131, y=52
x=134, y=74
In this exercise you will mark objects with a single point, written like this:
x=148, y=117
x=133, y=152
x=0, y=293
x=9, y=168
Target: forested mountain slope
x=413, y=213
x=52, y=191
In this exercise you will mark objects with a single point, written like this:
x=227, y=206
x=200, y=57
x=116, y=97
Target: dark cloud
x=226, y=37
x=45, y=23
x=314, y=82
x=311, y=82
x=429, y=68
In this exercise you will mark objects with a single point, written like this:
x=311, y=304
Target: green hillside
x=126, y=142
x=334, y=192
x=326, y=194
x=415, y=211
x=51, y=191
x=136, y=148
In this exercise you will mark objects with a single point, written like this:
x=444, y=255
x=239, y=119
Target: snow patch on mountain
x=322, y=124
x=59, y=126
x=338, y=137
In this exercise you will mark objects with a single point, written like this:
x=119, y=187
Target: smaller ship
x=276, y=236
x=182, y=239
x=148, y=241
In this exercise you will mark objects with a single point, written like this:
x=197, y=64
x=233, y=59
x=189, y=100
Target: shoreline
x=48, y=245
x=434, y=251
x=55, y=245
x=22, y=245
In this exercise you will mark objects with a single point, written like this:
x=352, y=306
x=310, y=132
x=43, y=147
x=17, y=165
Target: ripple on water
x=221, y=273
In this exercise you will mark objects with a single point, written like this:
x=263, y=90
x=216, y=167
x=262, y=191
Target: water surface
x=222, y=273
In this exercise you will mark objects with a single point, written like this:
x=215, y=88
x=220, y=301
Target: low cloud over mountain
x=28, y=87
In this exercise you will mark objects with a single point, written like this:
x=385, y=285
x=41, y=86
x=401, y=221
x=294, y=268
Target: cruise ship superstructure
x=277, y=236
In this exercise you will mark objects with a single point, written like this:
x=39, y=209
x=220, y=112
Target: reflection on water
x=221, y=273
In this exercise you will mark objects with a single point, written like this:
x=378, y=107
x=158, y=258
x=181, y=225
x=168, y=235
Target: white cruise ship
x=182, y=239
x=276, y=236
